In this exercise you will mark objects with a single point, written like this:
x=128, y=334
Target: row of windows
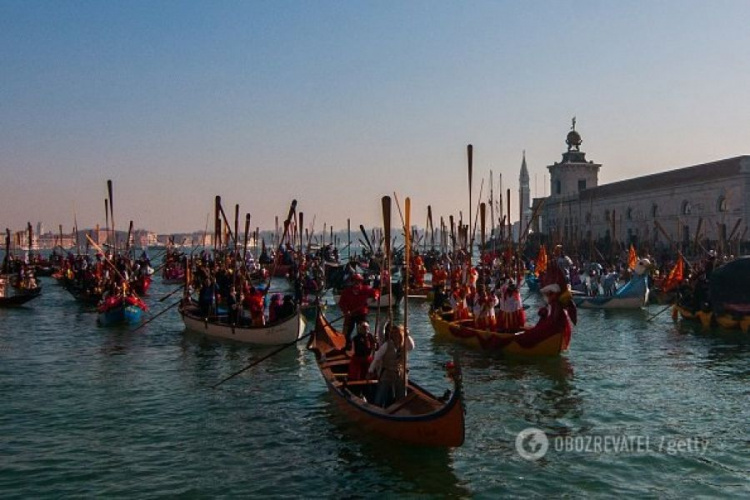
x=686, y=208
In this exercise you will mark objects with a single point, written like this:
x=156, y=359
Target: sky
x=337, y=103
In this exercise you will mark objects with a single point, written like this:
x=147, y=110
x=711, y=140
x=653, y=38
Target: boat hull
x=610, y=302
x=283, y=332
x=121, y=315
x=20, y=299
x=419, y=418
x=508, y=343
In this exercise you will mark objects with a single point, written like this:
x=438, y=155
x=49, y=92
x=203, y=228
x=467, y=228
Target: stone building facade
x=697, y=208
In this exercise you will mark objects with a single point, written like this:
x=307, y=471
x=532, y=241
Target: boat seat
x=401, y=403
x=361, y=382
x=329, y=364
x=338, y=357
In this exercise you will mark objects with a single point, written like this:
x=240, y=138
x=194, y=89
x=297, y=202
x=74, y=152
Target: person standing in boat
x=388, y=365
x=353, y=303
x=233, y=306
x=363, y=343
x=553, y=317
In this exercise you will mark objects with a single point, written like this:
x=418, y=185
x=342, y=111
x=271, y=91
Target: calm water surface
x=91, y=411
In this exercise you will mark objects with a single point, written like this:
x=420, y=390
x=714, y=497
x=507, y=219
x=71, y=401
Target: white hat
x=553, y=288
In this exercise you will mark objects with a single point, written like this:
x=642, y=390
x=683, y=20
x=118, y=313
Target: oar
x=112, y=214
x=172, y=293
x=407, y=256
x=257, y=362
x=155, y=316
x=470, y=155
x=367, y=238
x=657, y=314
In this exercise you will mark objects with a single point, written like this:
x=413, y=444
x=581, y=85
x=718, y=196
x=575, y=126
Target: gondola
x=520, y=343
x=121, y=311
x=419, y=418
x=21, y=298
x=281, y=332
x=632, y=295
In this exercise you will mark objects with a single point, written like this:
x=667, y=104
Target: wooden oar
x=367, y=238
x=407, y=255
x=255, y=363
x=657, y=314
x=386, y=202
x=470, y=155
x=172, y=293
x=112, y=215
x=269, y=355
x=156, y=316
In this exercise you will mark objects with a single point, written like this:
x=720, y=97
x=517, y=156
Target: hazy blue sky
x=338, y=103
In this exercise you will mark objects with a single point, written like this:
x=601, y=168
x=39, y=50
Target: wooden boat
x=173, y=274
x=423, y=292
x=518, y=343
x=121, y=311
x=18, y=297
x=419, y=418
x=632, y=295
x=282, y=332
x=728, y=300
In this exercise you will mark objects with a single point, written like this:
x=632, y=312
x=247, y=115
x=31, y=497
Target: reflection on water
x=90, y=411
x=373, y=465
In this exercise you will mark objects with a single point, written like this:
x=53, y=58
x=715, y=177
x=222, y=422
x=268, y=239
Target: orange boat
x=418, y=418
x=521, y=343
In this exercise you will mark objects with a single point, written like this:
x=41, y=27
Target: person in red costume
x=353, y=303
x=254, y=301
x=553, y=318
x=418, y=271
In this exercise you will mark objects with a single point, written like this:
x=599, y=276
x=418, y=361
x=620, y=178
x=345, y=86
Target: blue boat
x=632, y=295
x=122, y=313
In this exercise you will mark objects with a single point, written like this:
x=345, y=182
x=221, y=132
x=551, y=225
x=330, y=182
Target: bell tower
x=524, y=195
x=574, y=173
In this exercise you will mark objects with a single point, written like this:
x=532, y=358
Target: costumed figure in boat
x=25, y=290
x=119, y=306
x=484, y=309
x=632, y=295
x=354, y=303
x=717, y=296
x=512, y=316
x=549, y=337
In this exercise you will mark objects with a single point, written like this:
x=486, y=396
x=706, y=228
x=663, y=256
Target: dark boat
x=9, y=298
x=418, y=418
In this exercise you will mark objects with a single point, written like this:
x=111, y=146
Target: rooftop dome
x=574, y=140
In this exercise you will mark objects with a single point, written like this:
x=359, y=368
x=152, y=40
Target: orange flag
x=632, y=258
x=541, y=261
x=675, y=276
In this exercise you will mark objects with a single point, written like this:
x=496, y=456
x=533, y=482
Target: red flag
x=541, y=261
x=675, y=276
x=632, y=258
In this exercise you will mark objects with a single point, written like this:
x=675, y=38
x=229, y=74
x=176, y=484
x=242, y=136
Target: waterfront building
x=694, y=209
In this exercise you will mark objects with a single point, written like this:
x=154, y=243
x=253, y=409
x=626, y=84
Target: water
x=91, y=411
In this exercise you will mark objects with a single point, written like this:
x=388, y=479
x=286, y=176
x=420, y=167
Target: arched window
x=629, y=213
x=723, y=204
x=686, y=208
x=654, y=210
x=607, y=217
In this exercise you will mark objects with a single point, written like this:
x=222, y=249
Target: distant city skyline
x=336, y=104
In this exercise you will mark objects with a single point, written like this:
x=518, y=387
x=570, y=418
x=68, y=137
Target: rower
x=388, y=364
x=353, y=303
